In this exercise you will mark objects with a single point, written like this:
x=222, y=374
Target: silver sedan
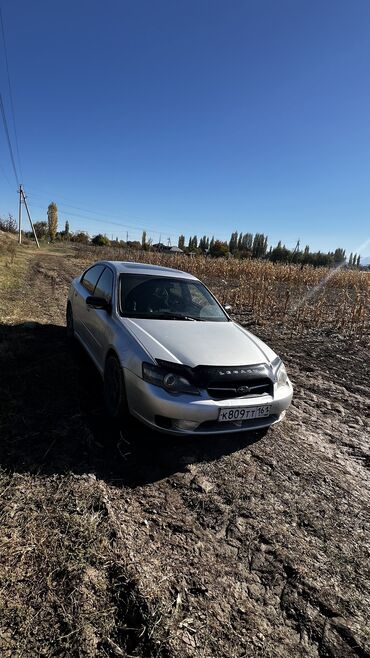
x=170, y=355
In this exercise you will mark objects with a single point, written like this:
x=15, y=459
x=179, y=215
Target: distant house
x=159, y=246
x=166, y=249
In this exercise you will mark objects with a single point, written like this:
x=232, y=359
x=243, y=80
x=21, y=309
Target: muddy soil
x=117, y=541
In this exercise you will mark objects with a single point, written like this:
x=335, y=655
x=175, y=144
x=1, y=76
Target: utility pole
x=20, y=215
x=29, y=216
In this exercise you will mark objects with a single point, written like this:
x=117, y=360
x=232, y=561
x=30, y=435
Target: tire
x=114, y=390
x=69, y=323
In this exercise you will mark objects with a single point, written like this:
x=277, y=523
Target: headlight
x=281, y=375
x=172, y=382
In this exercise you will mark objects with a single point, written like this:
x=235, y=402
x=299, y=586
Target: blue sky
x=193, y=116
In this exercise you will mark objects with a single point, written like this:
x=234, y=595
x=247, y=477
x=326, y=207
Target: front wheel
x=114, y=389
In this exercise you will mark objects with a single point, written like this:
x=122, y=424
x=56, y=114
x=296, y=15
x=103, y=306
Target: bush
x=8, y=225
x=81, y=238
x=218, y=249
x=100, y=240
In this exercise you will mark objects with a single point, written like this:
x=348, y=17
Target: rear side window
x=90, y=278
x=104, y=287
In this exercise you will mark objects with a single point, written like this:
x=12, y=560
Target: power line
x=102, y=221
x=43, y=194
x=6, y=176
x=8, y=138
x=10, y=90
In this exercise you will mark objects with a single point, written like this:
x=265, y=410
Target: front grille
x=227, y=390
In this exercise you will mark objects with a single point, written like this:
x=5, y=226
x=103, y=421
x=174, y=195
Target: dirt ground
x=116, y=541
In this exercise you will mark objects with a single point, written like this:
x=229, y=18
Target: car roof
x=127, y=267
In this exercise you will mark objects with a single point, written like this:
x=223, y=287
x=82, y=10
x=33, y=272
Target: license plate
x=244, y=413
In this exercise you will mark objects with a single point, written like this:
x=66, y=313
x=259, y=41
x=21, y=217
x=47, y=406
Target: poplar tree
x=52, y=220
x=233, y=242
x=181, y=242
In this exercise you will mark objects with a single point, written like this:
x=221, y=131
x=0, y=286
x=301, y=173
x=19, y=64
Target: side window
x=104, y=287
x=90, y=277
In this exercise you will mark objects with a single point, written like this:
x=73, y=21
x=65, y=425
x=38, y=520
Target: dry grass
x=9, y=254
x=61, y=530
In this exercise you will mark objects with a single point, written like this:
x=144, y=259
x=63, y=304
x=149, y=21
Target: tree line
x=247, y=245
x=240, y=245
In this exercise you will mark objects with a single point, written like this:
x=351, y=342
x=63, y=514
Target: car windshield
x=166, y=298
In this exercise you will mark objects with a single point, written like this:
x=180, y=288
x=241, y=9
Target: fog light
x=184, y=424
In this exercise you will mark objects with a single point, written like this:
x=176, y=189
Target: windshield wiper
x=175, y=316
x=162, y=316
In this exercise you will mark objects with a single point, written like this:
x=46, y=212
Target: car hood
x=199, y=343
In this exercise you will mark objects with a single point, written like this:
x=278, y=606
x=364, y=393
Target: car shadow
x=53, y=420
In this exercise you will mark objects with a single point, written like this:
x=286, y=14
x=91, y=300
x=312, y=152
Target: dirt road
x=121, y=542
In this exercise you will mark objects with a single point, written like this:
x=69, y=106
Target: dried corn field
x=292, y=297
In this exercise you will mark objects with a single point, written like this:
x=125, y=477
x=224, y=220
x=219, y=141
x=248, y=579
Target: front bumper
x=162, y=411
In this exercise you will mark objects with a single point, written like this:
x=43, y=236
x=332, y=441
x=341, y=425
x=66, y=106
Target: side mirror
x=228, y=308
x=99, y=303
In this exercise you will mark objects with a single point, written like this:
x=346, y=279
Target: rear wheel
x=114, y=389
x=69, y=322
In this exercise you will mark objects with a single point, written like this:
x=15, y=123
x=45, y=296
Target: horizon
x=191, y=118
